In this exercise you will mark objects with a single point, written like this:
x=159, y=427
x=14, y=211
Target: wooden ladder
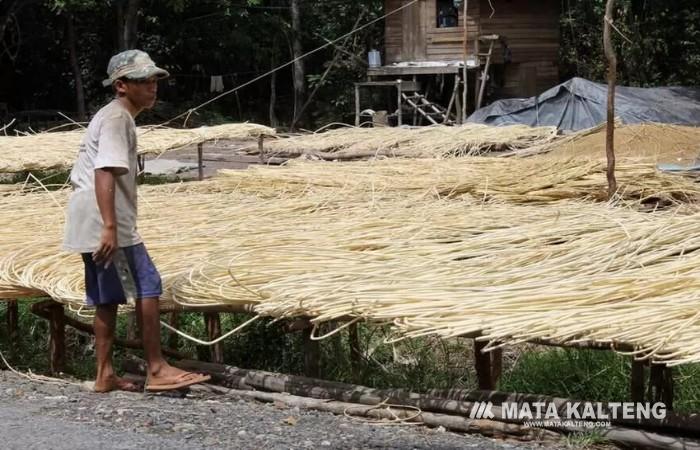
x=431, y=111
x=484, y=75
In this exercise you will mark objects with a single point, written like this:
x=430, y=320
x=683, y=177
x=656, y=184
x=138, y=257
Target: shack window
x=447, y=14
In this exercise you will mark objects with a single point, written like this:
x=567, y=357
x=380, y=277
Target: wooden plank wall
x=393, y=32
x=530, y=28
x=413, y=35
x=447, y=43
x=414, y=28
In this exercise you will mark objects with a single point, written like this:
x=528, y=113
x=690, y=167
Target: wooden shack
x=427, y=38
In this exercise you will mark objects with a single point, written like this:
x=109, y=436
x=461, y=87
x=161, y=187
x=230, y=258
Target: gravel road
x=47, y=416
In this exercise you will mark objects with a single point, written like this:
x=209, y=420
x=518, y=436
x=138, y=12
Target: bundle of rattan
x=424, y=142
x=57, y=150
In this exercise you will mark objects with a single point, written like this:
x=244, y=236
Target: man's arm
x=104, y=191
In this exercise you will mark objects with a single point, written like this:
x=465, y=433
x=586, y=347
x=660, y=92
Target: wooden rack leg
x=311, y=354
x=661, y=385
x=57, y=339
x=200, y=161
x=496, y=366
x=355, y=354
x=213, y=323
x=173, y=340
x=482, y=364
x=261, y=149
x=12, y=322
x=132, y=327
x=637, y=381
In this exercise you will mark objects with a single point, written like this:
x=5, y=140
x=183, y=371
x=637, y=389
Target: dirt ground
x=37, y=415
x=223, y=154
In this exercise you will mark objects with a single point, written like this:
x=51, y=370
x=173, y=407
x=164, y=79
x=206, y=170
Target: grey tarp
x=579, y=104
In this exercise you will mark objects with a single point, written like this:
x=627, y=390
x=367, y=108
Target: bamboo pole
x=452, y=402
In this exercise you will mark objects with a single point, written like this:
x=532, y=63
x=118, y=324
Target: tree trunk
x=612, y=79
x=273, y=97
x=119, y=13
x=7, y=9
x=75, y=66
x=299, y=75
x=127, y=23
x=131, y=19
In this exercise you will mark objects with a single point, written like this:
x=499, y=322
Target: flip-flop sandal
x=182, y=381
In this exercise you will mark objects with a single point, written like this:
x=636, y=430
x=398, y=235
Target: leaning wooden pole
x=464, y=72
x=612, y=79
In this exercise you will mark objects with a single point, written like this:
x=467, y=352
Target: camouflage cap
x=133, y=64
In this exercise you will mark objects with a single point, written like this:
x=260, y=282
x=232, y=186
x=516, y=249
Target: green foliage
x=591, y=375
x=193, y=40
x=417, y=364
x=661, y=44
x=586, y=440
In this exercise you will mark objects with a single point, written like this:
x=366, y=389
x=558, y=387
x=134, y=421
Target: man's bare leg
x=105, y=324
x=148, y=316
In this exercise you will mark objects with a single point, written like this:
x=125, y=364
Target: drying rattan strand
x=467, y=266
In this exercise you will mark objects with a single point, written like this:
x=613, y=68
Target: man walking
x=101, y=225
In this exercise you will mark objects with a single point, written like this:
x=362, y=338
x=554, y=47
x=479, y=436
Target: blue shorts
x=104, y=286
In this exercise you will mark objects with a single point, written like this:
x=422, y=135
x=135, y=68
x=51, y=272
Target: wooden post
x=661, y=385
x=463, y=117
x=482, y=364
x=637, y=381
x=12, y=322
x=458, y=102
x=400, y=101
x=612, y=79
x=200, y=161
x=261, y=149
x=311, y=354
x=496, y=366
x=173, y=340
x=357, y=105
x=57, y=339
x=667, y=391
x=132, y=328
x=355, y=354
x=213, y=323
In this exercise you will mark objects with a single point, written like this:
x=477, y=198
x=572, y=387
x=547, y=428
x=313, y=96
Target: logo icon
x=482, y=410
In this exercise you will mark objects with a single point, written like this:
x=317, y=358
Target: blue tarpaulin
x=579, y=104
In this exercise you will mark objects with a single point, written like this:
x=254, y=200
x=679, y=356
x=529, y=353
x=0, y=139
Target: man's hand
x=108, y=245
x=104, y=191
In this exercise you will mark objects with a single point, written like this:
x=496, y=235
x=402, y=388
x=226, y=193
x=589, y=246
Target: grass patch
x=586, y=440
x=593, y=375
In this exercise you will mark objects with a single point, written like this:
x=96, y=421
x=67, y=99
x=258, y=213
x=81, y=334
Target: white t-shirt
x=110, y=141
